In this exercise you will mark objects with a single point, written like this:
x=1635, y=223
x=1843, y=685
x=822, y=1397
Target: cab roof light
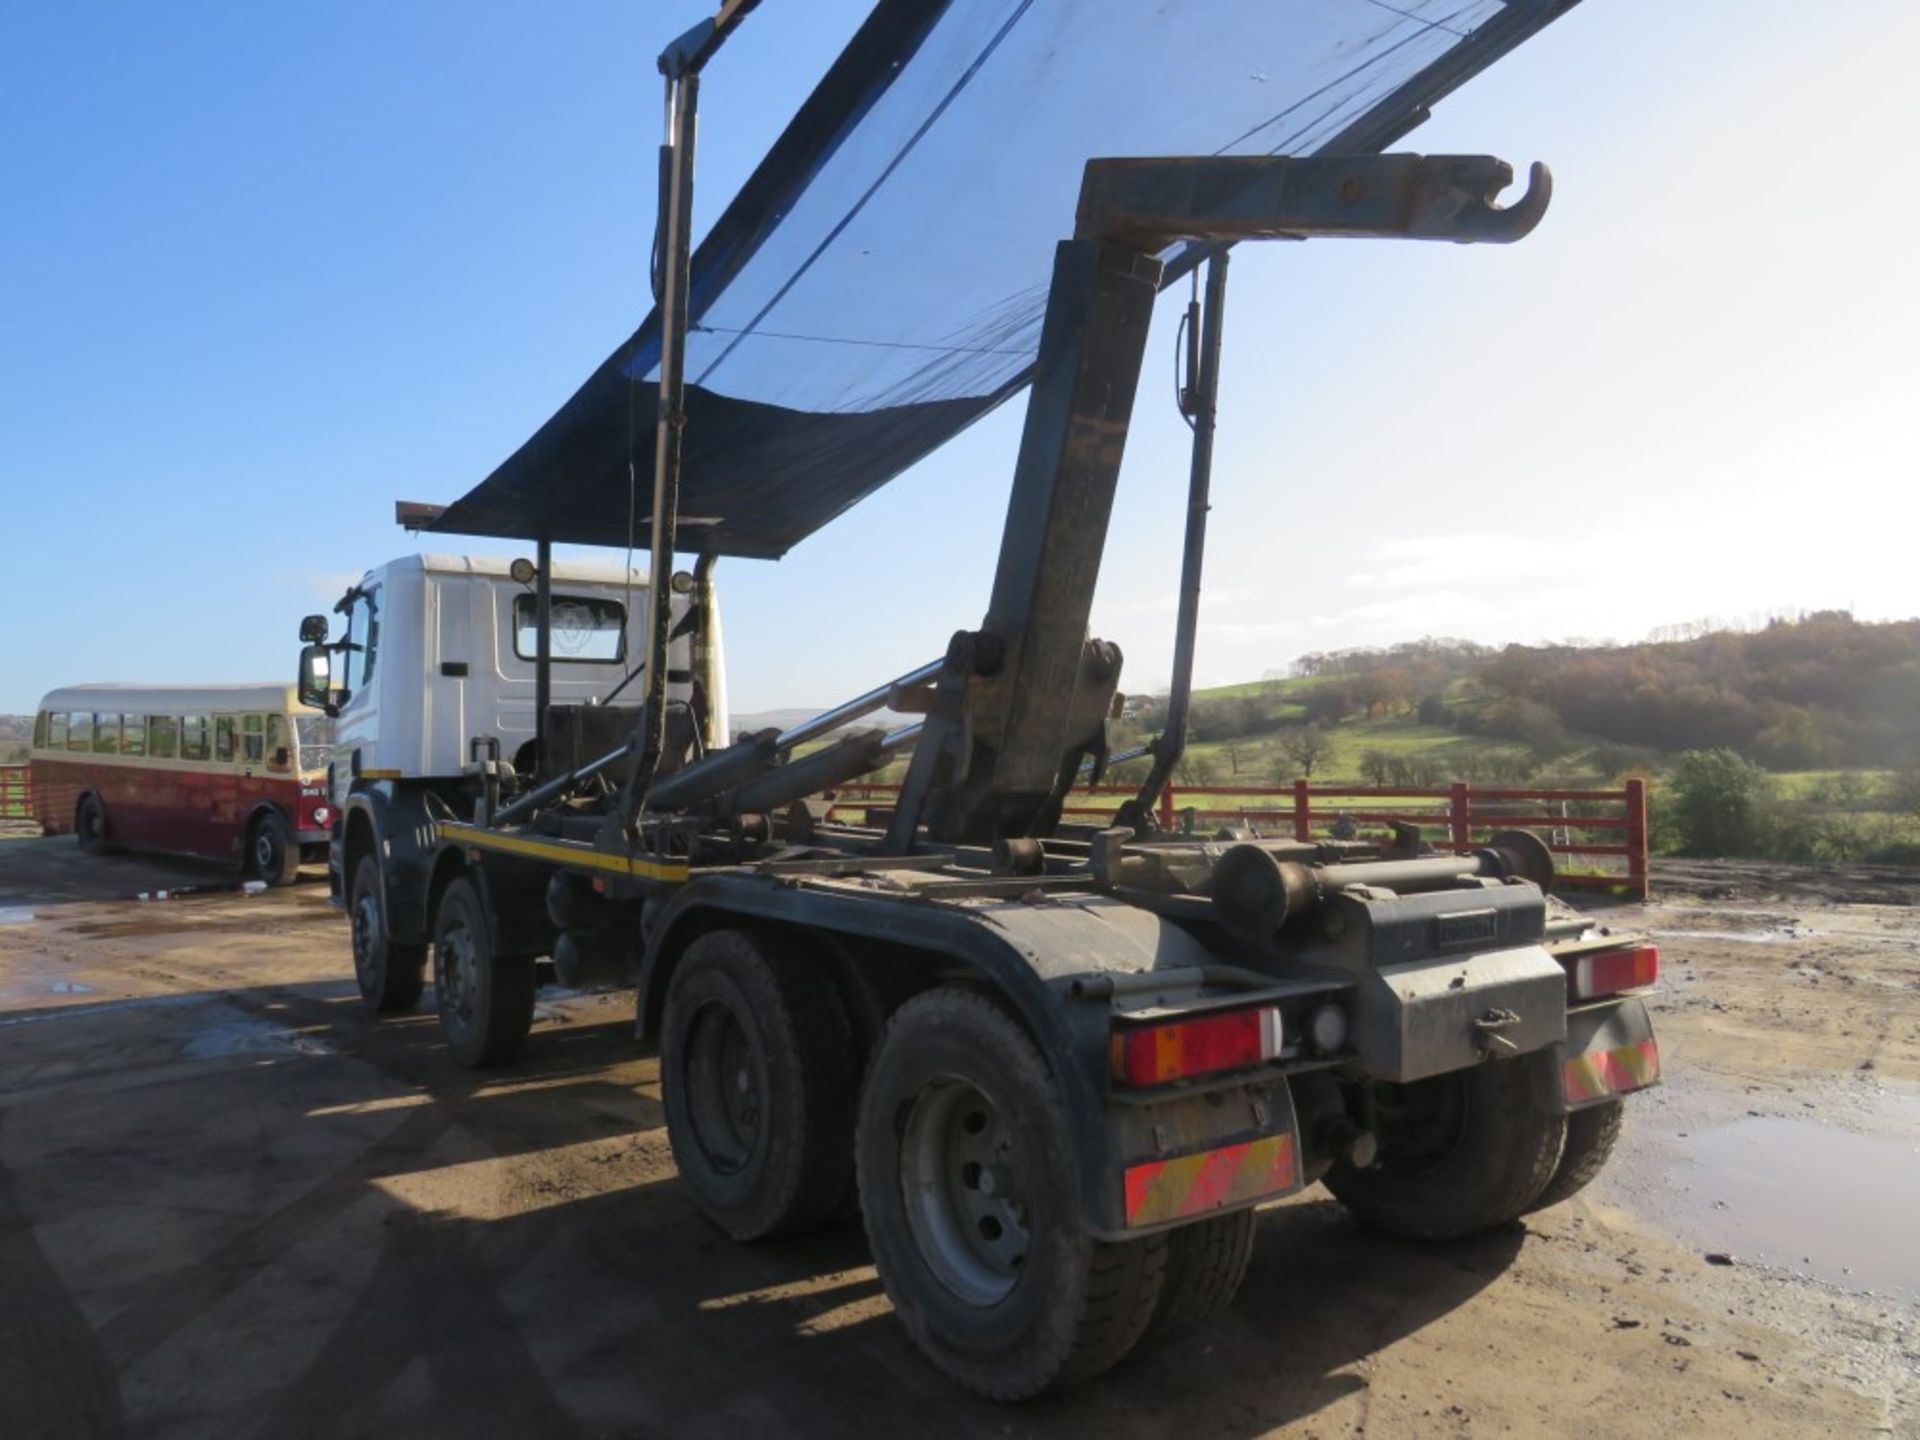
x=1612, y=971
x=1204, y=1045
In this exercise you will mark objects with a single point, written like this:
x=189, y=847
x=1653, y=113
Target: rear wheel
x=1205, y=1264
x=485, y=1000
x=1591, y=1134
x=756, y=1063
x=972, y=1207
x=390, y=975
x=90, y=825
x=272, y=855
x=1458, y=1153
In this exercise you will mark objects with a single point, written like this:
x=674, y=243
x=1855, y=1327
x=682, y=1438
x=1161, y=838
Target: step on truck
x=1055, y=1067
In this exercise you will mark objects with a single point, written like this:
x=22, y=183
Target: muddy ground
x=231, y=1203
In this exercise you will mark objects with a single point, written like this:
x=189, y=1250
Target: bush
x=1717, y=802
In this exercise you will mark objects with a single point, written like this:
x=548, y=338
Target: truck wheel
x=271, y=854
x=1591, y=1134
x=1460, y=1152
x=972, y=1207
x=757, y=1074
x=90, y=825
x=1206, y=1262
x=485, y=1000
x=390, y=975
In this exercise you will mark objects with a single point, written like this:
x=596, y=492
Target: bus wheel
x=972, y=1207
x=90, y=825
x=1459, y=1153
x=271, y=854
x=390, y=975
x=485, y=1000
x=756, y=1065
x=1591, y=1134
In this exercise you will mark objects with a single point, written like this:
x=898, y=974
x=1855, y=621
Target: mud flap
x=1193, y=1154
x=1609, y=1051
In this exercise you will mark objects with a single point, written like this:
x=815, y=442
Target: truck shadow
x=508, y=1252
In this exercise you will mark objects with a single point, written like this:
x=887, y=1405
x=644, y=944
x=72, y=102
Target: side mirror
x=313, y=629
x=315, y=684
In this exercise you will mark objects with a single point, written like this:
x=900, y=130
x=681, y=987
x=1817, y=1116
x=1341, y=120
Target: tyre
x=1205, y=1264
x=390, y=975
x=485, y=1000
x=972, y=1207
x=1591, y=1134
x=271, y=854
x=758, y=1080
x=90, y=825
x=1458, y=1153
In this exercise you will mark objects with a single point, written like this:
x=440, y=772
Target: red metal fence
x=16, y=792
x=1591, y=825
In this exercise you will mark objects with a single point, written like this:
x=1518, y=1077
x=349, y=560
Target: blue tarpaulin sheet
x=878, y=283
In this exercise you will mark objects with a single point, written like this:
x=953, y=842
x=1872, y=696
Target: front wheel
x=272, y=855
x=972, y=1209
x=390, y=975
x=1458, y=1153
x=485, y=1000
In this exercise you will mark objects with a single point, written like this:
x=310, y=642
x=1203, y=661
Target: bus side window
x=225, y=750
x=193, y=737
x=57, y=731
x=80, y=731
x=41, y=723
x=106, y=734
x=163, y=736
x=279, y=746
x=133, y=734
x=253, y=739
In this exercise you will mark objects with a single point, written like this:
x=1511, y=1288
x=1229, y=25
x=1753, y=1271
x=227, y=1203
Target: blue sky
x=265, y=269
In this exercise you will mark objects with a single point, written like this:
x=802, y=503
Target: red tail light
x=1155, y=1054
x=1612, y=971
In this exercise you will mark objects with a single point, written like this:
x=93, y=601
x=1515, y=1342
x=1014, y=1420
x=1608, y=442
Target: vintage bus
x=229, y=772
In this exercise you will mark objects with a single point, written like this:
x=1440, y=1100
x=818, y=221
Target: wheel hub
x=725, y=1084
x=454, y=962
x=366, y=932
x=965, y=1189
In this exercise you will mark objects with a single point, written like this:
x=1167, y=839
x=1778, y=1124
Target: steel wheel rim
x=265, y=850
x=964, y=1183
x=366, y=930
x=455, y=962
x=725, y=1087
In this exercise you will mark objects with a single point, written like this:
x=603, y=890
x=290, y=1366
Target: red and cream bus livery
x=230, y=772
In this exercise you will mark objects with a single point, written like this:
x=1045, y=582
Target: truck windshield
x=313, y=741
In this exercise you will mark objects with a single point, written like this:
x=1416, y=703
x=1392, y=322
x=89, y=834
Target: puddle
x=1799, y=1196
x=71, y=987
x=15, y=915
x=228, y=1033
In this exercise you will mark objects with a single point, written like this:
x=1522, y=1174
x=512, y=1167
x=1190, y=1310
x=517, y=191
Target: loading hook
x=1460, y=200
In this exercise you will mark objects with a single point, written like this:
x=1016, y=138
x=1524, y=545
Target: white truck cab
x=431, y=672
x=440, y=652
